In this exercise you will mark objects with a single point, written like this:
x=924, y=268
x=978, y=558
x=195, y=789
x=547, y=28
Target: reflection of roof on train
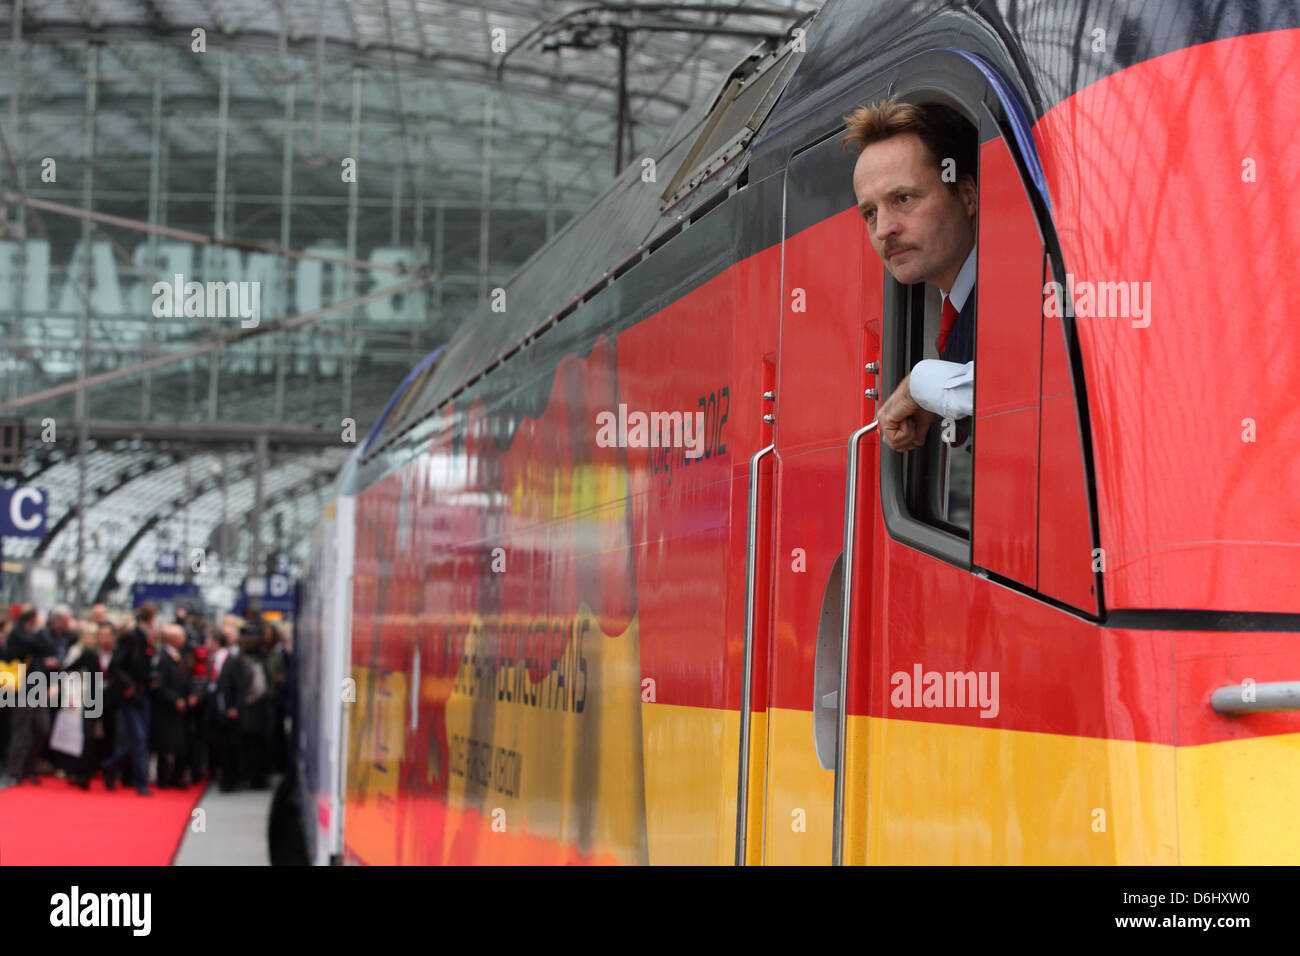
x=415, y=373
x=346, y=482
x=618, y=224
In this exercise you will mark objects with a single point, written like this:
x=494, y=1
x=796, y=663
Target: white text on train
x=946, y=689
x=651, y=430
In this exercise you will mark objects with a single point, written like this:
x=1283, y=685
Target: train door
x=969, y=735
x=826, y=330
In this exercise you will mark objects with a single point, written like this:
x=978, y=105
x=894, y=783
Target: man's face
x=920, y=230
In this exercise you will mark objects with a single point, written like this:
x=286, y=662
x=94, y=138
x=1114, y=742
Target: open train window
x=930, y=490
x=970, y=494
x=938, y=477
x=746, y=99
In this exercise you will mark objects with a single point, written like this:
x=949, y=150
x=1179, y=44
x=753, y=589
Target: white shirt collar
x=964, y=282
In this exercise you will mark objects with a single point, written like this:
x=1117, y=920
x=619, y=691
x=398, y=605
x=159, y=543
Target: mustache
x=892, y=247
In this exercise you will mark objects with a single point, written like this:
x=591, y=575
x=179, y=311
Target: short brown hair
x=146, y=612
x=945, y=132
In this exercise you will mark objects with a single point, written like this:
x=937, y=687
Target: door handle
x=751, y=579
x=850, y=529
x=1231, y=701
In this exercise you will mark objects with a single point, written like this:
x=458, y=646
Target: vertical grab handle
x=850, y=527
x=751, y=576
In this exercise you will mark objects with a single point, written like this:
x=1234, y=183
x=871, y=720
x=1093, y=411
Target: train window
x=931, y=487
x=747, y=97
x=937, y=477
x=969, y=499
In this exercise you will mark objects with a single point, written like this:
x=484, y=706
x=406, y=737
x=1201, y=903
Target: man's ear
x=969, y=194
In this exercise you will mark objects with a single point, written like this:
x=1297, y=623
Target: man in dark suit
x=130, y=675
x=916, y=189
x=103, y=734
x=31, y=644
x=171, y=705
x=63, y=629
x=233, y=682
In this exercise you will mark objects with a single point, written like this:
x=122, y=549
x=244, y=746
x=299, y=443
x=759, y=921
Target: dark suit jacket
x=233, y=686
x=960, y=346
x=173, y=685
x=130, y=664
x=32, y=647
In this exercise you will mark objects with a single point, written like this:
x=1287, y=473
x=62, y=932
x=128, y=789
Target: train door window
x=956, y=495
x=938, y=476
x=928, y=492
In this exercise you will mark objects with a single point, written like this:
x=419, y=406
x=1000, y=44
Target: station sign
x=22, y=512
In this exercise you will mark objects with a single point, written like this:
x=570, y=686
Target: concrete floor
x=234, y=829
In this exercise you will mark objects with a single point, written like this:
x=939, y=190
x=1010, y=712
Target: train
x=624, y=574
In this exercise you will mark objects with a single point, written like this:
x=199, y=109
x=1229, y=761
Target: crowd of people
x=207, y=701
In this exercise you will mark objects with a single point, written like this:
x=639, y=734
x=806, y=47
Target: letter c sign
x=22, y=512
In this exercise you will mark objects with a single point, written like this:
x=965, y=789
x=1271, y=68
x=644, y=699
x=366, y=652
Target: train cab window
x=969, y=492
x=938, y=476
x=930, y=301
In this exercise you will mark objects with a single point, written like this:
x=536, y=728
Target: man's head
x=61, y=618
x=916, y=188
x=250, y=639
x=29, y=619
x=98, y=614
x=174, y=635
x=146, y=614
x=107, y=637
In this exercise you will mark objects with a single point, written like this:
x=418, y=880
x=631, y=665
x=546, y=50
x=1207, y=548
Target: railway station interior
x=323, y=152
x=651, y=432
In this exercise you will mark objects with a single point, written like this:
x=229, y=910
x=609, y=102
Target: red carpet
x=57, y=824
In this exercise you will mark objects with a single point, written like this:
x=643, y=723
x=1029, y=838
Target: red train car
x=570, y=647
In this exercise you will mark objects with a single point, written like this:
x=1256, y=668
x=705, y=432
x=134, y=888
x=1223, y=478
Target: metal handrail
x=850, y=528
x=751, y=576
x=1267, y=698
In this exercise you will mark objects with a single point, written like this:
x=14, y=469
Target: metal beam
x=80, y=413
x=164, y=510
x=207, y=435
x=120, y=480
x=297, y=323
x=184, y=235
x=448, y=63
x=316, y=479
